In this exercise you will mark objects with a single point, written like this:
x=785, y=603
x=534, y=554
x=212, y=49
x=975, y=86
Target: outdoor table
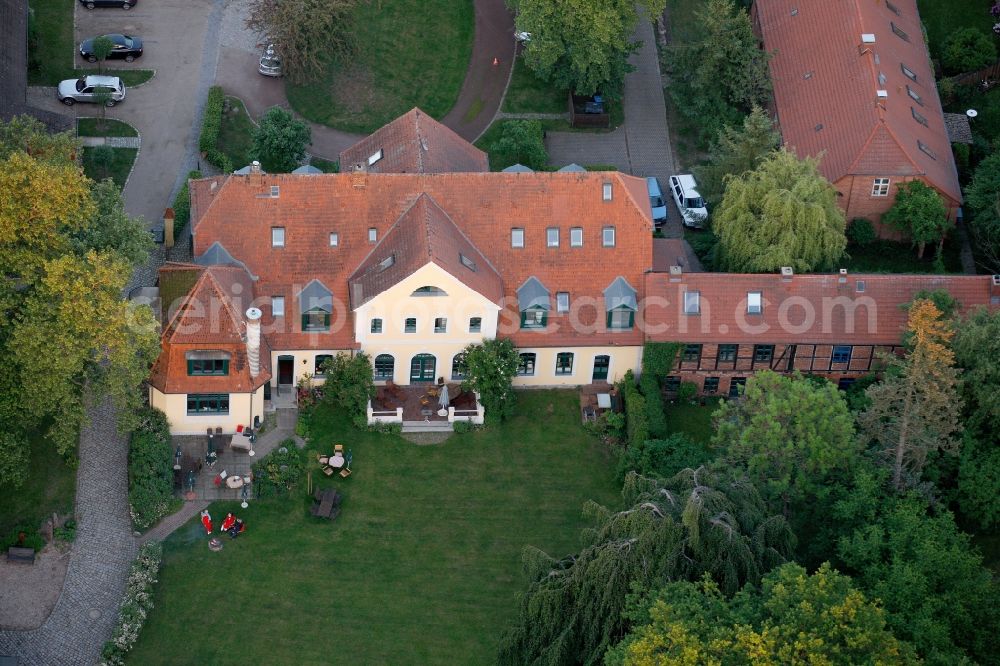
x=234, y=481
x=604, y=400
x=336, y=461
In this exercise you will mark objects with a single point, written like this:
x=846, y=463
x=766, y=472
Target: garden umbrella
x=443, y=399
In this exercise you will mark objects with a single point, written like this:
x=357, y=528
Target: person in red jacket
x=228, y=523
x=206, y=520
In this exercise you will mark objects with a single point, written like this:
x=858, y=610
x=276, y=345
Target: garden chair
x=338, y=449
x=344, y=473
x=328, y=471
x=323, y=460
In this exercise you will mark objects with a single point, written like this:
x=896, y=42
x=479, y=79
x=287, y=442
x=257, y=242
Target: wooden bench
x=21, y=555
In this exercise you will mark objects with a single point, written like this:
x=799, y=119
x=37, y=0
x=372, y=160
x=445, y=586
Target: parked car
x=521, y=36
x=656, y=201
x=270, y=62
x=692, y=207
x=124, y=4
x=126, y=48
x=92, y=88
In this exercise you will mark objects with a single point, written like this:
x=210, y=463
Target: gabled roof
x=209, y=319
x=423, y=234
x=533, y=294
x=826, y=80
x=620, y=294
x=315, y=296
x=861, y=309
x=218, y=255
x=414, y=143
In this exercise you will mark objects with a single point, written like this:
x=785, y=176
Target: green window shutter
x=305, y=322
x=190, y=367
x=225, y=367
x=609, y=318
x=545, y=320
x=326, y=321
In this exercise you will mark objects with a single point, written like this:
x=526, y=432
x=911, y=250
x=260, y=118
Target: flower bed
x=136, y=605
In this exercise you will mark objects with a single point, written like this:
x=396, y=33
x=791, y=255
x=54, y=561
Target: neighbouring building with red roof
x=853, y=83
x=411, y=266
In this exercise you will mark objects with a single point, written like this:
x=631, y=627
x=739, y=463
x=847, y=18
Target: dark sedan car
x=125, y=48
x=124, y=4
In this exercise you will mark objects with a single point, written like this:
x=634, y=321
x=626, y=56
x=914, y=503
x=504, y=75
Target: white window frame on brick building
x=880, y=187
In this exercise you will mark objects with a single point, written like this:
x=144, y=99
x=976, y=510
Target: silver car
x=108, y=90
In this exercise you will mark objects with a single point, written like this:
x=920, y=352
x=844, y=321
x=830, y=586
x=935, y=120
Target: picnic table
x=327, y=503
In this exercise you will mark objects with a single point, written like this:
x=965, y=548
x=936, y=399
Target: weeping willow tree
x=699, y=522
x=783, y=213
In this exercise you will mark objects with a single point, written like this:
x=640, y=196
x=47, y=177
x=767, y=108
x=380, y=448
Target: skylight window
x=926, y=149
x=907, y=72
x=914, y=95
x=375, y=157
x=468, y=263
x=899, y=32
x=918, y=117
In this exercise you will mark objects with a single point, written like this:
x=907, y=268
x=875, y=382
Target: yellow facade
x=452, y=301
x=620, y=360
x=243, y=407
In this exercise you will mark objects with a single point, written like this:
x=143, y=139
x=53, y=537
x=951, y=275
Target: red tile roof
x=239, y=215
x=424, y=233
x=210, y=318
x=826, y=82
x=415, y=143
x=863, y=309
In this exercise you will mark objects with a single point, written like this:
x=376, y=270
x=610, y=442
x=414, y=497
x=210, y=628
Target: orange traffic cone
x=496, y=62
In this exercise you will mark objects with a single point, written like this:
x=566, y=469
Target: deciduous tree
x=306, y=32
x=968, y=49
x=983, y=198
x=350, y=385
x=783, y=213
x=919, y=212
x=520, y=142
x=737, y=150
x=698, y=523
x=279, y=141
x=25, y=134
x=915, y=410
x=582, y=45
x=491, y=367
x=111, y=229
x=102, y=48
x=722, y=75
x=794, y=618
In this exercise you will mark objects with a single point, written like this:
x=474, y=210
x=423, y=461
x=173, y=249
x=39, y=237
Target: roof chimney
x=787, y=273
x=255, y=167
x=675, y=273
x=359, y=175
x=253, y=340
x=995, y=290
x=843, y=276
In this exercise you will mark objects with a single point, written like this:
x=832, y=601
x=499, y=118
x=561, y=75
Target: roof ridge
x=419, y=146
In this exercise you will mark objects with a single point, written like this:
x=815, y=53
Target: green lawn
x=422, y=567
x=529, y=94
x=119, y=169
x=106, y=127
x=410, y=53
x=943, y=17
x=695, y=421
x=234, y=135
x=49, y=488
x=52, y=50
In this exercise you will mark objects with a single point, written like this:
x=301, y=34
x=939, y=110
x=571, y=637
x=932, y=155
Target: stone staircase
x=427, y=426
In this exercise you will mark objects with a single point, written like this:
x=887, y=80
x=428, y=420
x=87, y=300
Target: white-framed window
x=517, y=237
x=754, y=302
x=552, y=237
x=475, y=324
x=576, y=236
x=375, y=157
x=441, y=325
x=562, y=301
x=278, y=306
x=372, y=234
x=692, y=302
x=564, y=363
x=608, y=236
x=880, y=187
x=376, y=325
x=606, y=192
x=334, y=239
x=277, y=237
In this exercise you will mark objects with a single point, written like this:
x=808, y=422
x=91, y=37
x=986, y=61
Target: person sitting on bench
x=238, y=528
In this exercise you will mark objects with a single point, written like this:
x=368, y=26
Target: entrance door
x=601, y=364
x=286, y=370
x=422, y=368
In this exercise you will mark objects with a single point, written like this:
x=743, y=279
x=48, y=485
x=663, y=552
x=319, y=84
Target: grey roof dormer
x=620, y=294
x=218, y=255
x=533, y=294
x=315, y=296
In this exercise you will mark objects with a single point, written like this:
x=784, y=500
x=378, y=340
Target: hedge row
x=182, y=204
x=150, y=469
x=658, y=358
x=636, y=416
x=649, y=384
x=211, y=125
x=136, y=605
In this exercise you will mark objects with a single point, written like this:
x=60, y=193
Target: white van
x=692, y=207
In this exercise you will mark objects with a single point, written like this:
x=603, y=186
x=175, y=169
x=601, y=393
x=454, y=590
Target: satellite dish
x=971, y=113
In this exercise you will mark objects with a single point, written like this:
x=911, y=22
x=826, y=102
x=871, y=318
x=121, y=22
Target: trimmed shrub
x=636, y=416
x=136, y=605
x=655, y=416
x=861, y=232
x=658, y=358
x=686, y=392
x=211, y=125
x=968, y=50
x=279, y=471
x=150, y=470
x=182, y=204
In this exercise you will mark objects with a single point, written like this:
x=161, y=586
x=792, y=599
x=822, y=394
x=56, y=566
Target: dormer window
x=372, y=234
x=533, y=302
x=606, y=192
x=277, y=237
x=517, y=237
x=334, y=239
x=620, y=305
x=375, y=157
x=315, y=320
x=207, y=363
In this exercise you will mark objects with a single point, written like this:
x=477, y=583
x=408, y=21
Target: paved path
x=87, y=609
x=641, y=146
